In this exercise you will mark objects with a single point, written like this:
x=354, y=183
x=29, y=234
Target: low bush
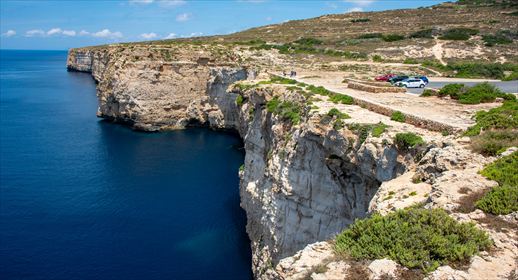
x=379, y=129
x=503, y=117
x=392, y=37
x=503, y=199
x=429, y=92
x=498, y=39
x=288, y=110
x=414, y=237
x=370, y=36
x=336, y=113
x=425, y=33
x=360, y=20
x=410, y=61
x=377, y=58
x=398, y=116
x=480, y=93
x=308, y=41
x=281, y=80
x=512, y=77
x=338, y=124
x=408, y=140
x=239, y=100
x=459, y=34
x=338, y=98
x=494, y=142
x=452, y=90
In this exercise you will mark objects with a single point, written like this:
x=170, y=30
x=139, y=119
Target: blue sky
x=64, y=24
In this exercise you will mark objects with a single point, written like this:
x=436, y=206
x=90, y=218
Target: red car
x=385, y=78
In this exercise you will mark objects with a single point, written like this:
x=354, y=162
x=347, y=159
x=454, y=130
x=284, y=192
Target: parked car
x=411, y=83
x=384, y=78
x=424, y=78
x=396, y=79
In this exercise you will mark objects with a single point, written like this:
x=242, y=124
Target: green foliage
x=341, y=98
x=494, y=142
x=409, y=60
x=239, y=100
x=398, y=116
x=379, y=129
x=336, y=113
x=414, y=237
x=308, y=41
x=360, y=20
x=405, y=141
x=453, y=90
x=370, y=36
x=392, y=37
x=428, y=92
x=425, y=33
x=512, y=77
x=283, y=81
x=338, y=124
x=503, y=117
x=482, y=70
x=288, y=110
x=242, y=168
x=460, y=34
x=497, y=39
x=377, y=58
x=503, y=170
x=481, y=93
x=503, y=199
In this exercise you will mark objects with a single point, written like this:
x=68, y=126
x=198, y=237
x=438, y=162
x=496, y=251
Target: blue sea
x=82, y=198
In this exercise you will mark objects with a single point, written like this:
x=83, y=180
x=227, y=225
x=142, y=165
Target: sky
x=59, y=25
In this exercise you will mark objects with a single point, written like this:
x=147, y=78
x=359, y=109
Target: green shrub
x=379, y=129
x=414, y=237
x=370, y=36
x=494, y=142
x=341, y=98
x=503, y=117
x=377, y=58
x=459, y=34
x=453, y=90
x=288, y=110
x=338, y=124
x=407, y=140
x=308, y=41
x=242, y=168
x=281, y=80
x=503, y=199
x=410, y=61
x=239, y=100
x=398, y=116
x=360, y=20
x=336, y=113
x=392, y=37
x=425, y=33
x=481, y=93
x=498, y=39
x=428, y=92
x=512, y=77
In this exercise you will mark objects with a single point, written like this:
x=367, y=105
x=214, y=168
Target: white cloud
x=106, y=33
x=84, y=33
x=360, y=2
x=195, y=34
x=148, y=36
x=34, y=33
x=183, y=17
x=171, y=3
x=9, y=33
x=268, y=18
x=144, y=2
x=54, y=31
x=69, y=33
x=170, y=36
x=355, y=9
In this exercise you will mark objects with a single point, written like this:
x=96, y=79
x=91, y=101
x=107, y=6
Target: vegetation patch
x=428, y=93
x=379, y=129
x=494, y=142
x=360, y=20
x=239, y=100
x=459, y=34
x=472, y=69
x=414, y=237
x=335, y=113
x=408, y=140
x=288, y=110
x=425, y=33
x=398, y=117
x=480, y=93
x=370, y=36
x=501, y=200
x=392, y=37
x=503, y=117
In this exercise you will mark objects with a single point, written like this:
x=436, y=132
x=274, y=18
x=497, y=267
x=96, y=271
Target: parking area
x=509, y=86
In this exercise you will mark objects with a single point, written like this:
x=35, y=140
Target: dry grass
x=467, y=202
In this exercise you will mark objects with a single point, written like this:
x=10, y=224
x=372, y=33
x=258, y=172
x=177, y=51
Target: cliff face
x=302, y=183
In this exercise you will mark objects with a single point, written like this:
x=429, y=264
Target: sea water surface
x=81, y=198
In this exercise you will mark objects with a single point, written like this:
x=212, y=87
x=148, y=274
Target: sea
x=83, y=198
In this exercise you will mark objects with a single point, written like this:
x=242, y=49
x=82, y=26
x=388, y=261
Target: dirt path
x=438, y=50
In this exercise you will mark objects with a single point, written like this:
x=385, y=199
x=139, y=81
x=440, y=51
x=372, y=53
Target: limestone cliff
x=303, y=181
